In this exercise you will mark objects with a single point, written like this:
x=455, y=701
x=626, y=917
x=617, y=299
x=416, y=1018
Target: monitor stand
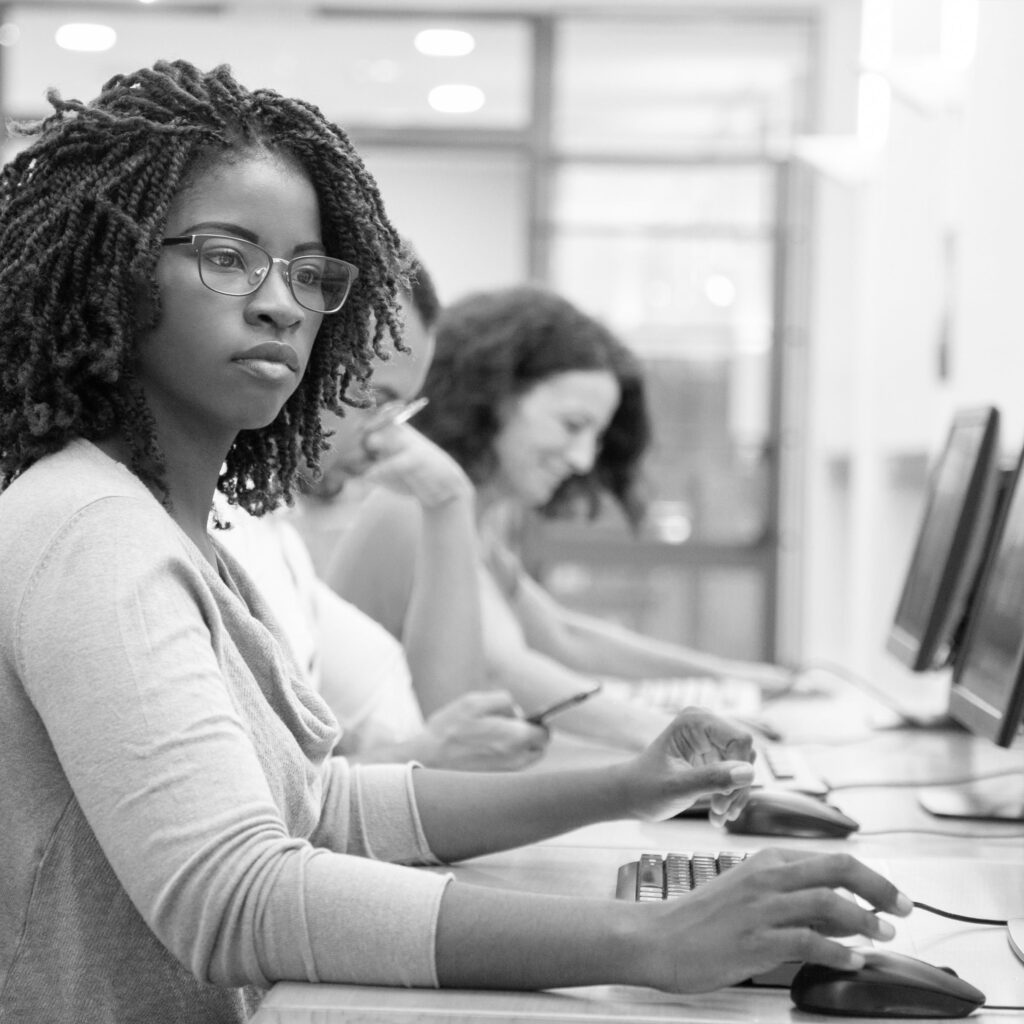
x=1015, y=936
x=996, y=799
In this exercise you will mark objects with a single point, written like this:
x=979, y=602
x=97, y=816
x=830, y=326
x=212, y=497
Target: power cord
x=917, y=784
x=988, y=921
x=939, y=832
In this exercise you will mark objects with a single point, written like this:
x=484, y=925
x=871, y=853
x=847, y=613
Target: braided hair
x=496, y=345
x=82, y=214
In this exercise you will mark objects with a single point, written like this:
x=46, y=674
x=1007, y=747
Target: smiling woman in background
x=544, y=409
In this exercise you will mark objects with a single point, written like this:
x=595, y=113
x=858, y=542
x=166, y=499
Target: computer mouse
x=888, y=985
x=785, y=812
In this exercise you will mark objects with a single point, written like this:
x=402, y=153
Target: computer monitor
x=950, y=544
x=987, y=694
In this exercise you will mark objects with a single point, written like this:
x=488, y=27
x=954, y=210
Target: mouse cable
x=928, y=908
x=940, y=832
x=959, y=917
x=966, y=780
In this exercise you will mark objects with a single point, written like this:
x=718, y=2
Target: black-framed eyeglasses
x=236, y=266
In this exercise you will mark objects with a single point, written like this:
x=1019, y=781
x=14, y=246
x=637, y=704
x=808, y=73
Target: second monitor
x=961, y=500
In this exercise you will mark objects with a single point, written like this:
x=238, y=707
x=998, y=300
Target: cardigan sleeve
x=116, y=648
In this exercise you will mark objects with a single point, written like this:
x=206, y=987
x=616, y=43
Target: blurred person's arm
x=589, y=644
x=536, y=680
x=410, y=562
x=479, y=731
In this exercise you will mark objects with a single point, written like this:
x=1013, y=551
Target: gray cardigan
x=175, y=834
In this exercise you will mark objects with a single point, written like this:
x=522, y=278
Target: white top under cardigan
x=353, y=662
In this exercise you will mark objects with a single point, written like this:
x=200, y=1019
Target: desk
x=584, y=862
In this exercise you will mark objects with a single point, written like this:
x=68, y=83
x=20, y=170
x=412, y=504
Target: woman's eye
x=308, y=277
x=224, y=259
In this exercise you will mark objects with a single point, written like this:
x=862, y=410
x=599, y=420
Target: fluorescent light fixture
x=444, y=42
x=85, y=37
x=455, y=98
x=10, y=34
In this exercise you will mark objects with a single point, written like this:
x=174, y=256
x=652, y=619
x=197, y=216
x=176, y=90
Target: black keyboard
x=655, y=877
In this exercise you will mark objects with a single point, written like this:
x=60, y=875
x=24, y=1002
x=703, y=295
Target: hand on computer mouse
x=697, y=755
x=782, y=812
x=776, y=907
x=888, y=985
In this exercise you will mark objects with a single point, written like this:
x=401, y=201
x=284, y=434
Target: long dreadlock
x=82, y=213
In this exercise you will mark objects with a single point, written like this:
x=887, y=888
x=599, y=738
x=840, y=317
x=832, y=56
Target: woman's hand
x=699, y=754
x=778, y=906
x=405, y=461
x=482, y=731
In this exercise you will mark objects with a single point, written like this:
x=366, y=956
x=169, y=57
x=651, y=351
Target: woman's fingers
x=805, y=945
x=799, y=870
x=828, y=912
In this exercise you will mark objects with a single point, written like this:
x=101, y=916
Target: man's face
x=398, y=379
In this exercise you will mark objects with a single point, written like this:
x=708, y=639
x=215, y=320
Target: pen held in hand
x=401, y=414
x=541, y=717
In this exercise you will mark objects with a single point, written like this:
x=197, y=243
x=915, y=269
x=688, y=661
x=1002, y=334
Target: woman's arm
x=778, y=906
x=537, y=680
x=589, y=644
x=468, y=814
x=479, y=731
x=410, y=562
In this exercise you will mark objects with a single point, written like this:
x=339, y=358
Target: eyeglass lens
x=233, y=266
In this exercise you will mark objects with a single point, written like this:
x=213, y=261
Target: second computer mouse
x=888, y=985
x=785, y=812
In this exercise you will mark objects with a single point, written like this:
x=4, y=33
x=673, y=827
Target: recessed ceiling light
x=85, y=37
x=9, y=34
x=720, y=290
x=455, y=98
x=444, y=42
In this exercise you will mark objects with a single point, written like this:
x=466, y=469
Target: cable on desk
x=960, y=917
x=919, y=784
x=939, y=832
x=995, y=922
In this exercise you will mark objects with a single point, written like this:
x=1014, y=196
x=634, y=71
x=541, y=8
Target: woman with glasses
x=176, y=834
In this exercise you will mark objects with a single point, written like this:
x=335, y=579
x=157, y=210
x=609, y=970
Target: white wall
x=948, y=183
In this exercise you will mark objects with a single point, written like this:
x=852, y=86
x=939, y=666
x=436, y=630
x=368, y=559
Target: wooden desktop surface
x=933, y=859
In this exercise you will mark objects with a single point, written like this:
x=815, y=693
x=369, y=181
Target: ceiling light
x=444, y=42
x=85, y=37
x=456, y=98
x=720, y=290
x=9, y=34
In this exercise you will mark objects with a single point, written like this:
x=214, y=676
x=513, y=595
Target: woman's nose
x=274, y=301
x=582, y=453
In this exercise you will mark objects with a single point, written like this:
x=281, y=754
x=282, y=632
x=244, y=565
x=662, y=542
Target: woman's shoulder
x=77, y=489
x=74, y=476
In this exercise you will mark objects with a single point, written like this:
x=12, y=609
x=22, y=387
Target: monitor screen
x=961, y=499
x=987, y=695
